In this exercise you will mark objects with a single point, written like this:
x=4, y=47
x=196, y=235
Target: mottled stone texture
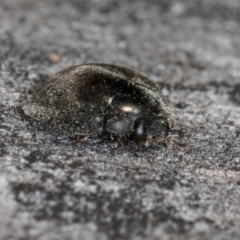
x=52, y=187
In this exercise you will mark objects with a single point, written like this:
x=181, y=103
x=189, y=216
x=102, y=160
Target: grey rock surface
x=52, y=187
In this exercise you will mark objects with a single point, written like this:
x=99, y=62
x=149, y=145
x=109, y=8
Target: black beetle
x=92, y=99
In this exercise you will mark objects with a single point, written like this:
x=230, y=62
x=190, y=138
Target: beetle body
x=92, y=99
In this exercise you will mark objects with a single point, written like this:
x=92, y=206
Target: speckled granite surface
x=52, y=187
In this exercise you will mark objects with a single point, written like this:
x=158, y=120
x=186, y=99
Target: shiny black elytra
x=92, y=99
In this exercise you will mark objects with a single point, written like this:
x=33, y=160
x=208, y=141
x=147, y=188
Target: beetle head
x=151, y=129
